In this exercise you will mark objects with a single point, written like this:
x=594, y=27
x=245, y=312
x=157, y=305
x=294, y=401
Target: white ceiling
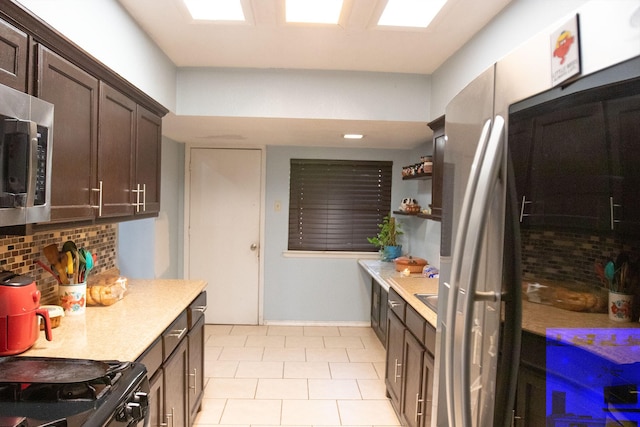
x=268, y=42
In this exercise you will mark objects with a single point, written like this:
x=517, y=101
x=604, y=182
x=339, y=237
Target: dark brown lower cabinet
x=531, y=399
x=196, y=369
x=411, y=384
x=395, y=343
x=175, y=387
x=175, y=367
x=409, y=373
x=156, y=399
x=379, y=297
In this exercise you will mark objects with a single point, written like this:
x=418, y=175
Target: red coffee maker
x=19, y=308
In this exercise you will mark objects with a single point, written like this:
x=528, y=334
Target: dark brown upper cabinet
x=14, y=45
x=146, y=186
x=116, y=151
x=74, y=94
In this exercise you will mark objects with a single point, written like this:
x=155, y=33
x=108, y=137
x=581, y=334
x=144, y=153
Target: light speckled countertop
x=536, y=318
x=124, y=330
x=386, y=275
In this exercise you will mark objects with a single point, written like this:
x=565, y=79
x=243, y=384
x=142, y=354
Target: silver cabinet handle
x=418, y=412
x=253, y=247
x=611, y=212
x=195, y=380
x=524, y=202
x=99, y=205
x=170, y=417
x=142, y=191
x=177, y=333
x=395, y=372
x=515, y=418
x=137, y=203
x=200, y=308
x=393, y=304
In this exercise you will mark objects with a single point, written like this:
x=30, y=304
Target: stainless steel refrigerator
x=479, y=304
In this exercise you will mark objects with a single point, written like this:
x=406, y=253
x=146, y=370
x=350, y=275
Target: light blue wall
x=316, y=289
x=153, y=247
x=105, y=30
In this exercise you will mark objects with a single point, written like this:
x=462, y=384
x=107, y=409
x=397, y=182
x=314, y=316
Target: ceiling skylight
x=218, y=10
x=410, y=13
x=313, y=11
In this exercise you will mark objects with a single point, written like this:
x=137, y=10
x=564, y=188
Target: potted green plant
x=386, y=239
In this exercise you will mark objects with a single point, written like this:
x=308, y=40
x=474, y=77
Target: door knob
x=253, y=247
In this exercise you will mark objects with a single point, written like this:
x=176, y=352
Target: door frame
x=187, y=207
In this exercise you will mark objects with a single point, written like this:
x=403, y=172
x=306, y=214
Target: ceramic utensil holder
x=73, y=298
x=620, y=307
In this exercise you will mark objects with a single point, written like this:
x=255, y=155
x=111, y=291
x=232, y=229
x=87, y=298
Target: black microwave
x=26, y=142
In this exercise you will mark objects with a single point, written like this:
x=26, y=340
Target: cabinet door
x=570, y=168
x=147, y=166
x=116, y=138
x=156, y=400
x=427, y=390
x=438, y=172
x=520, y=145
x=375, y=306
x=196, y=369
x=395, y=343
x=74, y=94
x=412, y=367
x=531, y=399
x=13, y=57
x=175, y=386
x=384, y=297
x=623, y=126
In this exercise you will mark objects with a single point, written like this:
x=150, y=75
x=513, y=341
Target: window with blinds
x=334, y=205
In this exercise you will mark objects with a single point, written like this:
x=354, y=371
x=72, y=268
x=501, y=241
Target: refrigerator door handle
x=457, y=260
x=488, y=175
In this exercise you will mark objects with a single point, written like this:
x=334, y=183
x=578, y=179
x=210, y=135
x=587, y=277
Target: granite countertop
x=124, y=330
x=536, y=318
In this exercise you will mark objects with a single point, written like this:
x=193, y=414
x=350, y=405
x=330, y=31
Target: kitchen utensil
x=48, y=269
x=86, y=264
x=19, y=312
x=69, y=247
x=53, y=256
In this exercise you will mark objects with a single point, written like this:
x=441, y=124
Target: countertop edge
x=536, y=318
x=384, y=272
x=106, y=333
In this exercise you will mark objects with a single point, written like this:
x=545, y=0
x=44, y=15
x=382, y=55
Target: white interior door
x=224, y=231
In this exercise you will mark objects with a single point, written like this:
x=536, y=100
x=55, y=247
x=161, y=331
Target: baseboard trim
x=361, y=324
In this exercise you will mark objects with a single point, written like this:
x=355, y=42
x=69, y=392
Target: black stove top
x=71, y=392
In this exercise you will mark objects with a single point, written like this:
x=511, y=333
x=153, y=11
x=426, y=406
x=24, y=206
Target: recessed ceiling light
x=215, y=10
x=353, y=136
x=313, y=11
x=410, y=13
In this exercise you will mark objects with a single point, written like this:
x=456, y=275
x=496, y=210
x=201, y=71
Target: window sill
x=331, y=254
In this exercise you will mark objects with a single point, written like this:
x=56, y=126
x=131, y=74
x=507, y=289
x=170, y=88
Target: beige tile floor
x=294, y=376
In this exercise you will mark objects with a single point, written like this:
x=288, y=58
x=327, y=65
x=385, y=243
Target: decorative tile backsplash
x=569, y=256
x=19, y=253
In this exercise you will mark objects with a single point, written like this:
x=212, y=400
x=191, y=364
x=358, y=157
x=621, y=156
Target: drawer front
x=415, y=323
x=196, y=309
x=396, y=304
x=172, y=336
x=152, y=357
